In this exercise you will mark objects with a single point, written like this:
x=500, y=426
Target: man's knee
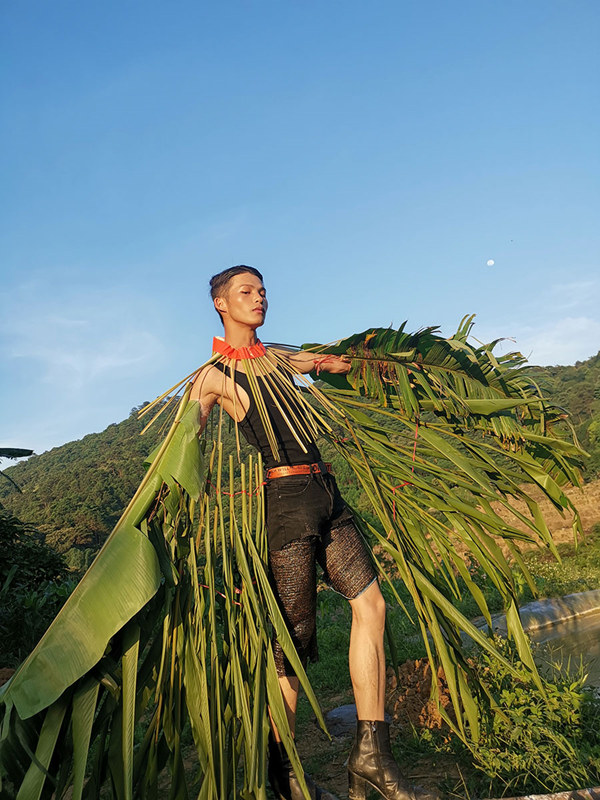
x=369, y=608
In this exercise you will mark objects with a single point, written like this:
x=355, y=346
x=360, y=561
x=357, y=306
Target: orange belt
x=299, y=469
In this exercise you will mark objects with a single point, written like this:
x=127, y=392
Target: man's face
x=244, y=300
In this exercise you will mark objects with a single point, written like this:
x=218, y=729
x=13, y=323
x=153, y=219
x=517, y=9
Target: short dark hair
x=218, y=282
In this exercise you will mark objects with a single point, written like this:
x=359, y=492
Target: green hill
x=74, y=494
x=577, y=389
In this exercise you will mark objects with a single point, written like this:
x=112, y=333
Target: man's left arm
x=320, y=362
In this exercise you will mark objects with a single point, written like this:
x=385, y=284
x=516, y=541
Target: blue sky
x=369, y=157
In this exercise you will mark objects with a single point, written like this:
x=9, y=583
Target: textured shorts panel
x=347, y=567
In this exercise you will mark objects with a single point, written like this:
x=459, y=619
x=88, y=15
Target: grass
x=578, y=572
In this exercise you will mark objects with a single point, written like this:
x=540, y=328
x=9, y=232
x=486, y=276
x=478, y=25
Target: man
x=307, y=522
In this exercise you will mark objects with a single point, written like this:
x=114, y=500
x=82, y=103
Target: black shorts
x=302, y=505
x=316, y=527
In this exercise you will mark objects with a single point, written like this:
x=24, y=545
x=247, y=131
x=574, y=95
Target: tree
x=30, y=576
x=13, y=452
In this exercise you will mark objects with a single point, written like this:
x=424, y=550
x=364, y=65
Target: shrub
x=541, y=741
x=33, y=587
x=24, y=553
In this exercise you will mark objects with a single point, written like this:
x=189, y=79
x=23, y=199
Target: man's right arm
x=203, y=392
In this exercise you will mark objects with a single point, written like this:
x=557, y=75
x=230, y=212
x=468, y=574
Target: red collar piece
x=238, y=353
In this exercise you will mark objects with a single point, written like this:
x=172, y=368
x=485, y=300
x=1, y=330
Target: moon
x=490, y=262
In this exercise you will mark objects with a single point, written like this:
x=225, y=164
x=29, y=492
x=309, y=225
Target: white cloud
x=132, y=349
x=76, y=358
x=68, y=322
x=82, y=342
x=561, y=341
x=560, y=324
x=573, y=295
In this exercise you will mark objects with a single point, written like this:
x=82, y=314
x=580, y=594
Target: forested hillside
x=74, y=494
x=577, y=389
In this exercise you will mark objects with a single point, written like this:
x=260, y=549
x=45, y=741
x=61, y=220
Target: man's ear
x=220, y=304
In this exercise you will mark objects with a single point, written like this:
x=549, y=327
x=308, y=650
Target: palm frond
x=484, y=431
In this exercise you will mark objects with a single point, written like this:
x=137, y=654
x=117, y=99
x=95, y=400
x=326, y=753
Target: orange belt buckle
x=298, y=469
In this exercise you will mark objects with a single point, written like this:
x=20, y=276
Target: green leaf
x=33, y=783
x=84, y=707
x=122, y=579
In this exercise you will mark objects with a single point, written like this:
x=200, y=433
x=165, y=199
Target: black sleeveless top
x=290, y=452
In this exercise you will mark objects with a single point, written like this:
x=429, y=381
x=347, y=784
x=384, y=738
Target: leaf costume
x=172, y=622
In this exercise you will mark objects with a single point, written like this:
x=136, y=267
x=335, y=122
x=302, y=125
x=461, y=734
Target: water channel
x=572, y=641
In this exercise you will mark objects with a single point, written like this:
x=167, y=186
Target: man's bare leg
x=289, y=690
x=367, y=656
x=282, y=777
x=371, y=762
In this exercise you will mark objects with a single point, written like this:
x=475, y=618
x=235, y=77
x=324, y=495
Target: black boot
x=283, y=779
x=371, y=762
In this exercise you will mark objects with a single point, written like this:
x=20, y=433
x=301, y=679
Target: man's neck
x=240, y=336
